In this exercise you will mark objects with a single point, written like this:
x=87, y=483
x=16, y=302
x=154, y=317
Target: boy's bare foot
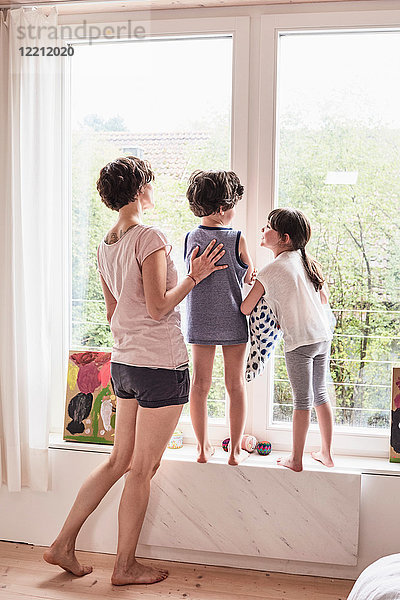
x=325, y=459
x=235, y=458
x=137, y=574
x=289, y=463
x=204, y=454
x=67, y=560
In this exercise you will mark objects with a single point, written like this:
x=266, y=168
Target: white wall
x=331, y=502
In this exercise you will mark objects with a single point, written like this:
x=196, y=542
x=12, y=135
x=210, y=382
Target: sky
x=356, y=75
x=166, y=85
x=155, y=86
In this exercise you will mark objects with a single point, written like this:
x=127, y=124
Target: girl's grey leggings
x=307, y=367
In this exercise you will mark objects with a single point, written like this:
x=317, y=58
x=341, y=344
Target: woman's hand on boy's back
x=202, y=266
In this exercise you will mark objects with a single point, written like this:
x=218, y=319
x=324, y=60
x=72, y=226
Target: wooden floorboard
x=25, y=576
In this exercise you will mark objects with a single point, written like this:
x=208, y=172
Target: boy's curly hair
x=209, y=191
x=121, y=180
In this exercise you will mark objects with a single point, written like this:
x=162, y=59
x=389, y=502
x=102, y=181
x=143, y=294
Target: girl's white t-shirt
x=139, y=340
x=294, y=301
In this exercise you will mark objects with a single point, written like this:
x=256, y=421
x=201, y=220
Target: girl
x=213, y=306
x=149, y=368
x=293, y=288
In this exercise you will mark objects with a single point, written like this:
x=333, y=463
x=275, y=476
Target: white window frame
x=362, y=442
x=239, y=29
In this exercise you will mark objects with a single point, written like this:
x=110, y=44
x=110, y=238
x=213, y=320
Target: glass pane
x=338, y=156
x=148, y=99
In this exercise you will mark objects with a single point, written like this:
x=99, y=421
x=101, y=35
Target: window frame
x=239, y=29
x=346, y=440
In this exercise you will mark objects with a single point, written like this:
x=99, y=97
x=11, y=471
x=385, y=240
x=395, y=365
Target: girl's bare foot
x=137, y=574
x=289, y=463
x=235, y=458
x=325, y=459
x=66, y=559
x=204, y=454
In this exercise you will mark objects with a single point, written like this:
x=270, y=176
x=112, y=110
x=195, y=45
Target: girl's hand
x=202, y=266
x=253, y=276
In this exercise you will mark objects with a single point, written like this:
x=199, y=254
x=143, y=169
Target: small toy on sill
x=176, y=440
x=249, y=443
x=263, y=448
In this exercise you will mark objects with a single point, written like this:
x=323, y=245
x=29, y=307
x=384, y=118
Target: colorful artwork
x=395, y=432
x=90, y=402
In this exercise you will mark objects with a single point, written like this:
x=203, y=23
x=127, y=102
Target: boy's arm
x=252, y=298
x=246, y=258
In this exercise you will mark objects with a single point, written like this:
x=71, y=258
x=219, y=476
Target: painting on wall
x=90, y=400
x=395, y=430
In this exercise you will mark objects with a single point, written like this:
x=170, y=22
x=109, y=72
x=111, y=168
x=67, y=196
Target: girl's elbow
x=243, y=309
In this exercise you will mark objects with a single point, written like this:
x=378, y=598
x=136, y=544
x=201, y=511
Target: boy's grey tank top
x=213, y=314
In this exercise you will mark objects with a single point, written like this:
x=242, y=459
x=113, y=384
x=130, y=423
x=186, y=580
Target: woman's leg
x=234, y=367
x=154, y=428
x=323, y=406
x=299, y=364
x=93, y=490
x=203, y=360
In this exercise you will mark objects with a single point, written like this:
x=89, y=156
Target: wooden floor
x=24, y=575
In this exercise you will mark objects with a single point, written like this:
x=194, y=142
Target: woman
x=149, y=364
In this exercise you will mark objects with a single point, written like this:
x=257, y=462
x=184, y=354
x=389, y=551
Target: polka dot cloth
x=265, y=334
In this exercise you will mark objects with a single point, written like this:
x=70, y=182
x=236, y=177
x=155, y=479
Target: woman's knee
x=119, y=463
x=143, y=470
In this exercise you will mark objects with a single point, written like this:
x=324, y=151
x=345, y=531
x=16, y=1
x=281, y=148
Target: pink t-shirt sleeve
x=151, y=240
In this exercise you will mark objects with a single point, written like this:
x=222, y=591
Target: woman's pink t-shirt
x=139, y=340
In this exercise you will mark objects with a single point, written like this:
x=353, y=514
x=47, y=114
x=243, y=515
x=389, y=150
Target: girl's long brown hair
x=298, y=227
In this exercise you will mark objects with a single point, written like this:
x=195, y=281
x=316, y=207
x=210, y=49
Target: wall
x=254, y=516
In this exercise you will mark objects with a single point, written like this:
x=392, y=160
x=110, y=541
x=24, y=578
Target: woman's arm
x=246, y=258
x=159, y=300
x=111, y=302
x=252, y=298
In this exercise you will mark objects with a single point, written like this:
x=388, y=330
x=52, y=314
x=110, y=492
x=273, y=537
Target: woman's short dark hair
x=121, y=180
x=209, y=191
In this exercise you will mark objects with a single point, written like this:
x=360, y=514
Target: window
x=338, y=132
x=147, y=98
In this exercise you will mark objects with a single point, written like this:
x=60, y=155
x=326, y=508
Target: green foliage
x=97, y=123
x=356, y=239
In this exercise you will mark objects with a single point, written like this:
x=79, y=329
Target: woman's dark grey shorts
x=152, y=388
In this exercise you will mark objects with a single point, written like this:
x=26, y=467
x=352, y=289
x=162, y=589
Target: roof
x=168, y=153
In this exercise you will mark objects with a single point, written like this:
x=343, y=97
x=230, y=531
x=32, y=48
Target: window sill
x=343, y=464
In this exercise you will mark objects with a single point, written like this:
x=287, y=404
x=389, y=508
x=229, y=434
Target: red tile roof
x=168, y=153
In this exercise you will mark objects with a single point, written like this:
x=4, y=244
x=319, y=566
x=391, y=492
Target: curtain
x=33, y=245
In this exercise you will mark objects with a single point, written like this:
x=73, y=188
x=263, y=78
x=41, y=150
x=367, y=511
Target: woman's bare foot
x=137, y=574
x=235, y=458
x=66, y=559
x=204, y=454
x=325, y=459
x=289, y=463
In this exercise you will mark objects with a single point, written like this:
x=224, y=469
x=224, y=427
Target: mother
x=149, y=364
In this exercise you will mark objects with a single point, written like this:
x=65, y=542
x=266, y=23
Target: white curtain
x=33, y=242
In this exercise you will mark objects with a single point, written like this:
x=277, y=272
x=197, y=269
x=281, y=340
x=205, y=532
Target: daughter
x=293, y=288
x=213, y=306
